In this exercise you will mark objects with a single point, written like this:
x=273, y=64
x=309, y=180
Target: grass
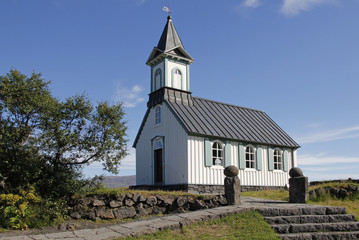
x=281, y=195
x=246, y=225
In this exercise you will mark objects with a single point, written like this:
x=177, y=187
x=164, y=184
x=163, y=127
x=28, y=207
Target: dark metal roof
x=219, y=120
x=169, y=44
x=169, y=38
x=213, y=119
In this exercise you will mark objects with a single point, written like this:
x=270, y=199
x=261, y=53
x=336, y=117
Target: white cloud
x=325, y=160
x=294, y=7
x=251, y=3
x=324, y=167
x=332, y=135
x=129, y=97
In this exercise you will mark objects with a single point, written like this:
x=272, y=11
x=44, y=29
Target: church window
x=217, y=154
x=177, y=79
x=278, y=160
x=250, y=157
x=158, y=82
x=158, y=118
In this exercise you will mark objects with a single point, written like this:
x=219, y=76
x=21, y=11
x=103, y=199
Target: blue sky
x=297, y=60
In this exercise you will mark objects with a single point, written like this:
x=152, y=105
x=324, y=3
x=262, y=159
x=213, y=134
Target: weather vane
x=167, y=9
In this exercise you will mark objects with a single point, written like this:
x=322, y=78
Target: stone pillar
x=232, y=186
x=298, y=186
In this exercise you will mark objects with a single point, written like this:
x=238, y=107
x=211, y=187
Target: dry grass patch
x=246, y=225
x=281, y=195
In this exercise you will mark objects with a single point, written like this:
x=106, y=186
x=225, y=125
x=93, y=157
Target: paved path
x=155, y=224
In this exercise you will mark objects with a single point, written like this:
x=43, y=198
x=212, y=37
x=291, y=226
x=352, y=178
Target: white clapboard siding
x=199, y=174
x=175, y=149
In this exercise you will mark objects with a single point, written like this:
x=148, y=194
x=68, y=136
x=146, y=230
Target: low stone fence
x=95, y=207
x=314, y=183
x=341, y=193
x=202, y=188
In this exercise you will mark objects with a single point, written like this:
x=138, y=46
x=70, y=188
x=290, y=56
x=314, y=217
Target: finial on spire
x=167, y=9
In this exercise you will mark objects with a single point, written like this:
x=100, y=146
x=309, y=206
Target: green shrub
x=27, y=210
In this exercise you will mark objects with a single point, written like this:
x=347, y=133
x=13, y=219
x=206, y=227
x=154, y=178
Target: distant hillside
x=119, y=181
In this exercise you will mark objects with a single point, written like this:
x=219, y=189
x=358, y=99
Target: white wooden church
x=185, y=142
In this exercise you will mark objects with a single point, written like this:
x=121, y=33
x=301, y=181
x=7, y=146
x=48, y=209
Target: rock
x=120, y=198
x=128, y=202
x=343, y=193
x=197, y=205
x=141, y=211
x=98, y=203
x=157, y=210
x=90, y=214
x=144, y=212
x=142, y=198
x=231, y=171
x=159, y=199
x=135, y=197
x=62, y=226
x=116, y=204
x=178, y=210
x=334, y=191
x=124, y=212
x=222, y=200
x=295, y=172
x=180, y=201
x=78, y=208
x=151, y=201
x=168, y=200
x=75, y=215
x=86, y=201
x=67, y=226
x=104, y=213
x=71, y=226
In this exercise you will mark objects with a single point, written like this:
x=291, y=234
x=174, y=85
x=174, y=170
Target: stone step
x=307, y=210
x=321, y=236
x=316, y=227
x=309, y=219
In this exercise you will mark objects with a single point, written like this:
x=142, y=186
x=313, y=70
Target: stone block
x=298, y=190
x=124, y=212
x=232, y=189
x=116, y=204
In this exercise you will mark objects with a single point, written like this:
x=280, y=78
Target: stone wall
x=341, y=193
x=201, y=188
x=95, y=207
x=314, y=183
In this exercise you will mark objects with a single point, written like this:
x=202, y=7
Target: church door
x=158, y=166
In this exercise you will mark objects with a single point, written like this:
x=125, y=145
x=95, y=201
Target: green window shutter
x=227, y=154
x=259, y=159
x=241, y=156
x=285, y=160
x=207, y=153
x=270, y=159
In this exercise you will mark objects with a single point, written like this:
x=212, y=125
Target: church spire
x=169, y=38
x=169, y=45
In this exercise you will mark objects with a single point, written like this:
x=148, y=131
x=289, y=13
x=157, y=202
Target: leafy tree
x=45, y=142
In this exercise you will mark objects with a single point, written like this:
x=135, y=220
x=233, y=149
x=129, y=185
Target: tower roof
x=169, y=38
x=169, y=44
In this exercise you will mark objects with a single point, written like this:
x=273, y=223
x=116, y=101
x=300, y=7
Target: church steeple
x=169, y=44
x=169, y=38
x=169, y=61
